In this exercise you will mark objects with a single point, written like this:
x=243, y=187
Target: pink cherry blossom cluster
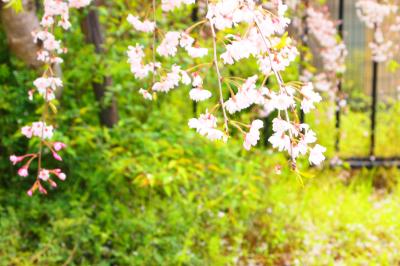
x=248, y=30
x=331, y=49
x=374, y=13
x=168, y=5
x=316, y=30
x=282, y=140
x=56, y=13
x=198, y=93
x=206, y=125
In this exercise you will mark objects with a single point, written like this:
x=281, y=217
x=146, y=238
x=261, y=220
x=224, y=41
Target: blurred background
x=143, y=189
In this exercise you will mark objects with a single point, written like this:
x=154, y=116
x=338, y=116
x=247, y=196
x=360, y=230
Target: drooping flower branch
x=331, y=48
x=56, y=14
x=219, y=77
x=323, y=50
x=259, y=32
x=374, y=14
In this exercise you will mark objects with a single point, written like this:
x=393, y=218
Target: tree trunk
x=19, y=27
x=91, y=28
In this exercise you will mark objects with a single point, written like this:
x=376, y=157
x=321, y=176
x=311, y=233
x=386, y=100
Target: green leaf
x=393, y=65
x=15, y=4
x=53, y=107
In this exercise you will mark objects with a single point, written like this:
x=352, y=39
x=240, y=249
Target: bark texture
x=19, y=27
x=93, y=32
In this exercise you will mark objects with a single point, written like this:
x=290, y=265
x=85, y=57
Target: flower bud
x=23, y=171
x=56, y=156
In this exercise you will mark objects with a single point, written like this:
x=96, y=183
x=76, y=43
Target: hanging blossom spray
x=373, y=14
x=331, y=49
x=248, y=30
x=317, y=29
x=56, y=13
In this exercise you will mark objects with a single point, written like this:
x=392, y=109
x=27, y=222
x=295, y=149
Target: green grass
x=355, y=131
x=167, y=197
x=338, y=218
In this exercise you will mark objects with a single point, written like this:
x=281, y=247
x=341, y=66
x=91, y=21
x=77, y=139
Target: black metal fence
x=363, y=78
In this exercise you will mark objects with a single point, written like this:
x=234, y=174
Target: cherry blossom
x=280, y=141
x=316, y=154
x=197, y=80
x=172, y=80
x=310, y=97
x=323, y=29
x=199, y=94
x=59, y=145
x=23, y=171
x=168, y=5
x=228, y=13
x=44, y=174
x=56, y=13
x=246, y=96
x=146, y=95
x=135, y=58
x=47, y=86
x=253, y=136
x=296, y=138
x=373, y=14
x=145, y=26
x=186, y=41
x=330, y=48
x=169, y=46
x=250, y=30
x=196, y=52
x=78, y=3
x=206, y=125
x=239, y=49
x=265, y=40
x=38, y=129
x=16, y=159
x=281, y=101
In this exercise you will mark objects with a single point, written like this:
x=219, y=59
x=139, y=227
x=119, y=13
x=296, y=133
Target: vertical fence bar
x=195, y=18
x=339, y=89
x=303, y=38
x=373, y=107
x=194, y=105
x=374, y=96
x=267, y=124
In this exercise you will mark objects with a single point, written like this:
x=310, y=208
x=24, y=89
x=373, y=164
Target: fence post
x=339, y=89
x=267, y=124
x=303, y=39
x=195, y=18
x=373, y=110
